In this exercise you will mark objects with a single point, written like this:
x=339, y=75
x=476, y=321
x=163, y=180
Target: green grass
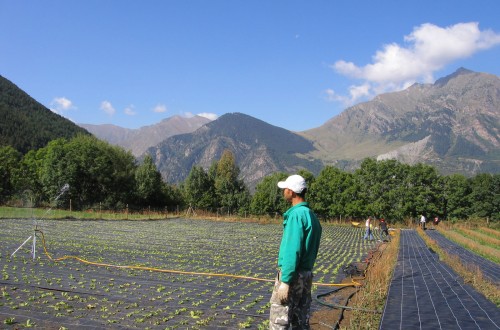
x=27, y=213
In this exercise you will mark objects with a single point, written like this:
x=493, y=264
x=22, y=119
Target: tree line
x=101, y=174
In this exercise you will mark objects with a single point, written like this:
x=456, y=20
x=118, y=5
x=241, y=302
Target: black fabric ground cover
x=489, y=269
x=426, y=294
x=70, y=292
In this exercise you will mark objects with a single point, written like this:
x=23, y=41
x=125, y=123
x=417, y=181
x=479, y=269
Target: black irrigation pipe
x=345, y=307
x=342, y=307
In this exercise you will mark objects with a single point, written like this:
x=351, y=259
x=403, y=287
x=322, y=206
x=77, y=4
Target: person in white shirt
x=368, y=232
x=422, y=222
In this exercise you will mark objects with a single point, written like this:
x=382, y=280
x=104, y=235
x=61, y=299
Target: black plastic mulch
x=426, y=294
x=489, y=269
x=74, y=295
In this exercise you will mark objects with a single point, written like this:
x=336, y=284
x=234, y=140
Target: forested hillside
x=25, y=124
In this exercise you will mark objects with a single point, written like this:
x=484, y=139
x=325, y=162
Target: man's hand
x=282, y=293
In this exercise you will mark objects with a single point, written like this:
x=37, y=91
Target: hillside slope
x=25, y=124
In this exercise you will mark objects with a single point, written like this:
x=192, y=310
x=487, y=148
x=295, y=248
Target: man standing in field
x=291, y=297
x=422, y=221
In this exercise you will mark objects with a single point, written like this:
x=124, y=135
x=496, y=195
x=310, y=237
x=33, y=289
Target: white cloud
x=130, y=110
x=61, y=104
x=359, y=91
x=332, y=96
x=107, y=107
x=427, y=49
x=211, y=116
x=160, y=108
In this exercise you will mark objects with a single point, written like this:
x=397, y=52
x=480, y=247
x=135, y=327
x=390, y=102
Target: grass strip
x=470, y=275
x=373, y=294
x=39, y=213
x=472, y=245
x=481, y=238
x=490, y=232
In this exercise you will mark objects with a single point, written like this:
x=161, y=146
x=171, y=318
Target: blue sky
x=293, y=64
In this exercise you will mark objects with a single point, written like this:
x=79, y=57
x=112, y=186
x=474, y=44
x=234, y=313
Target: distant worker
x=368, y=230
x=422, y=222
x=436, y=221
x=383, y=229
x=291, y=298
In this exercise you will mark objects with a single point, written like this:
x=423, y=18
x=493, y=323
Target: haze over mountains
x=139, y=140
x=453, y=124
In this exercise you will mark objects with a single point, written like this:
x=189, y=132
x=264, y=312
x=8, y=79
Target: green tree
x=95, y=171
x=330, y=192
x=484, y=196
x=174, y=196
x=456, y=190
x=30, y=170
x=390, y=186
x=149, y=184
x=9, y=171
x=394, y=190
x=122, y=186
x=231, y=192
x=51, y=172
x=426, y=191
x=199, y=189
x=366, y=181
x=496, y=197
x=268, y=198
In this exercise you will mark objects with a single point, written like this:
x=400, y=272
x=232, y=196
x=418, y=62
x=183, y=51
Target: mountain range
x=259, y=149
x=139, y=140
x=452, y=124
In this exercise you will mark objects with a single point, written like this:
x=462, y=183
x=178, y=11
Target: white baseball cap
x=295, y=182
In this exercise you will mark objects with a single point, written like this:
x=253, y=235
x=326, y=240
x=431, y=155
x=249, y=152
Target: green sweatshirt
x=300, y=241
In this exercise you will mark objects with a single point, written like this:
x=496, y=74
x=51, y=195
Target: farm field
x=425, y=293
x=69, y=294
x=481, y=240
x=489, y=269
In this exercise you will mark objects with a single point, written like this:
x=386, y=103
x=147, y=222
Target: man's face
x=287, y=194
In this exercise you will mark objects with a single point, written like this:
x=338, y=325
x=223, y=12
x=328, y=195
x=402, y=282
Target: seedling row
x=69, y=293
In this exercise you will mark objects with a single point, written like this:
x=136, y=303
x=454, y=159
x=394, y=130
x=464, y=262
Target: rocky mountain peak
x=450, y=124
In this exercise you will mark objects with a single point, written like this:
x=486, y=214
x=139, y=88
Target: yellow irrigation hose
x=152, y=269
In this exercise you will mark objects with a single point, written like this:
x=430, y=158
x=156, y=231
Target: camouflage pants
x=295, y=313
